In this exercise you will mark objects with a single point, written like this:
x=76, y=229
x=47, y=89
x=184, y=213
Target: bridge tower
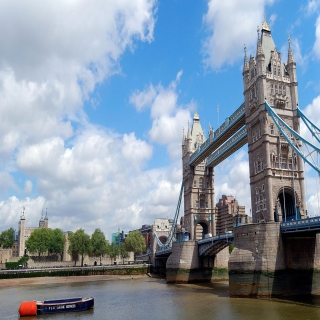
x=198, y=186
x=276, y=172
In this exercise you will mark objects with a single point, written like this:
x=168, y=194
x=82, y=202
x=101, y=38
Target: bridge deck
x=212, y=246
x=300, y=227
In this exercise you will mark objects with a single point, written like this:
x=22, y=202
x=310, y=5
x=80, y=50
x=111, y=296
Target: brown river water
x=153, y=299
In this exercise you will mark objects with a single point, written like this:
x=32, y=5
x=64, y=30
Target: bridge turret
x=270, y=157
x=198, y=185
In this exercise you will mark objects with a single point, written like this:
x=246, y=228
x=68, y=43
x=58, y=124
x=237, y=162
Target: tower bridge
x=269, y=123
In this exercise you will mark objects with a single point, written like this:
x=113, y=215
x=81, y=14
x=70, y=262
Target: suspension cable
x=173, y=226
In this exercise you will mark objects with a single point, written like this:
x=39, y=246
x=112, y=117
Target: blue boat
x=30, y=308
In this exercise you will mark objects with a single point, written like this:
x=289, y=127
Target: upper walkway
x=231, y=125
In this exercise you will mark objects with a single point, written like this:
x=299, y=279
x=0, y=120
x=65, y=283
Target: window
x=201, y=185
x=194, y=183
x=283, y=163
x=197, y=204
x=272, y=90
x=271, y=129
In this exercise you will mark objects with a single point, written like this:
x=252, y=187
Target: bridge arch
x=287, y=204
x=201, y=228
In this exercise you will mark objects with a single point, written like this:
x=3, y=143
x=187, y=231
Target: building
x=229, y=214
x=25, y=232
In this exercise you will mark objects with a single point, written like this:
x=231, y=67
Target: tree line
x=44, y=241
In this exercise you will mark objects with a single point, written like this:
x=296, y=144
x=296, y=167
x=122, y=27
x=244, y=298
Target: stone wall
x=266, y=263
x=185, y=266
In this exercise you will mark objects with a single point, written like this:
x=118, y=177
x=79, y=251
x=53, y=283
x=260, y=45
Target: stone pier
x=185, y=266
x=266, y=263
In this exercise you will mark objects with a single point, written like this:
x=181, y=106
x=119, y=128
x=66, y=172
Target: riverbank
x=20, y=282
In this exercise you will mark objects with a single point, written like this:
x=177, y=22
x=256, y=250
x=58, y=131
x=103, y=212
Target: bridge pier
x=266, y=263
x=185, y=266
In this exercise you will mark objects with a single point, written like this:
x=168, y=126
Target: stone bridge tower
x=198, y=186
x=276, y=172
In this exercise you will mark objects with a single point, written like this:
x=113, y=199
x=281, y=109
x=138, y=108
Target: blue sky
x=94, y=97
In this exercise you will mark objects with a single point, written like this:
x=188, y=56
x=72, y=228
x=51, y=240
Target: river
x=153, y=299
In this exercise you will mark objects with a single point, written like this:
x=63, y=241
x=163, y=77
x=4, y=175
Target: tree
x=123, y=251
x=98, y=243
x=80, y=244
x=7, y=238
x=113, y=250
x=135, y=242
x=38, y=242
x=56, y=242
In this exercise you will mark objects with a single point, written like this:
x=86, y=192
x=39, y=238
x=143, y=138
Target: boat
x=31, y=308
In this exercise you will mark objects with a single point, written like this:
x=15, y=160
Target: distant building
x=25, y=232
x=229, y=214
x=118, y=237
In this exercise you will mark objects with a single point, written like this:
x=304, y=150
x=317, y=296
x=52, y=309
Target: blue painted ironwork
x=163, y=252
x=233, y=144
x=315, y=131
x=148, y=253
x=215, y=244
x=165, y=245
x=281, y=125
x=308, y=225
x=231, y=124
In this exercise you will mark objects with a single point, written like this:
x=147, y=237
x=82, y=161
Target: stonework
x=198, y=186
x=266, y=263
x=184, y=265
x=276, y=173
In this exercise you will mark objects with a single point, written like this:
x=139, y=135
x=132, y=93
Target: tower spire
x=259, y=43
x=290, y=55
x=245, y=60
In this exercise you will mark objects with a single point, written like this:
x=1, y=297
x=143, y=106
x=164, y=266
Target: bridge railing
x=229, y=122
x=303, y=225
x=222, y=237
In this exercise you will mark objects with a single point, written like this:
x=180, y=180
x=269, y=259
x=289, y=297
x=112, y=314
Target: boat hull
x=65, y=305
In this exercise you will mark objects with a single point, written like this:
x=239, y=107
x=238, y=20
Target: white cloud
x=233, y=179
x=316, y=46
x=231, y=24
x=312, y=6
x=168, y=118
x=52, y=58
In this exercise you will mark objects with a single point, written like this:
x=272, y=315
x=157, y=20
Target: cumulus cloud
x=52, y=58
x=168, y=117
x=230, y=24
x=236, y=182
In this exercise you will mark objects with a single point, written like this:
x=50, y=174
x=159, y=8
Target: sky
x=95, y=95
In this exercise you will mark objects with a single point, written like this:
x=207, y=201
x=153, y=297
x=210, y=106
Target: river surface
x=153, y=299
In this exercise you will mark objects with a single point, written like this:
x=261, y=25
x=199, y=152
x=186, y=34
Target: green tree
x=56, y=242
x=123, y=252
x=113, y=250
x=135, y=242
x=38, y=242
x=80, y=244
x=7, y=238
x=98, y=243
